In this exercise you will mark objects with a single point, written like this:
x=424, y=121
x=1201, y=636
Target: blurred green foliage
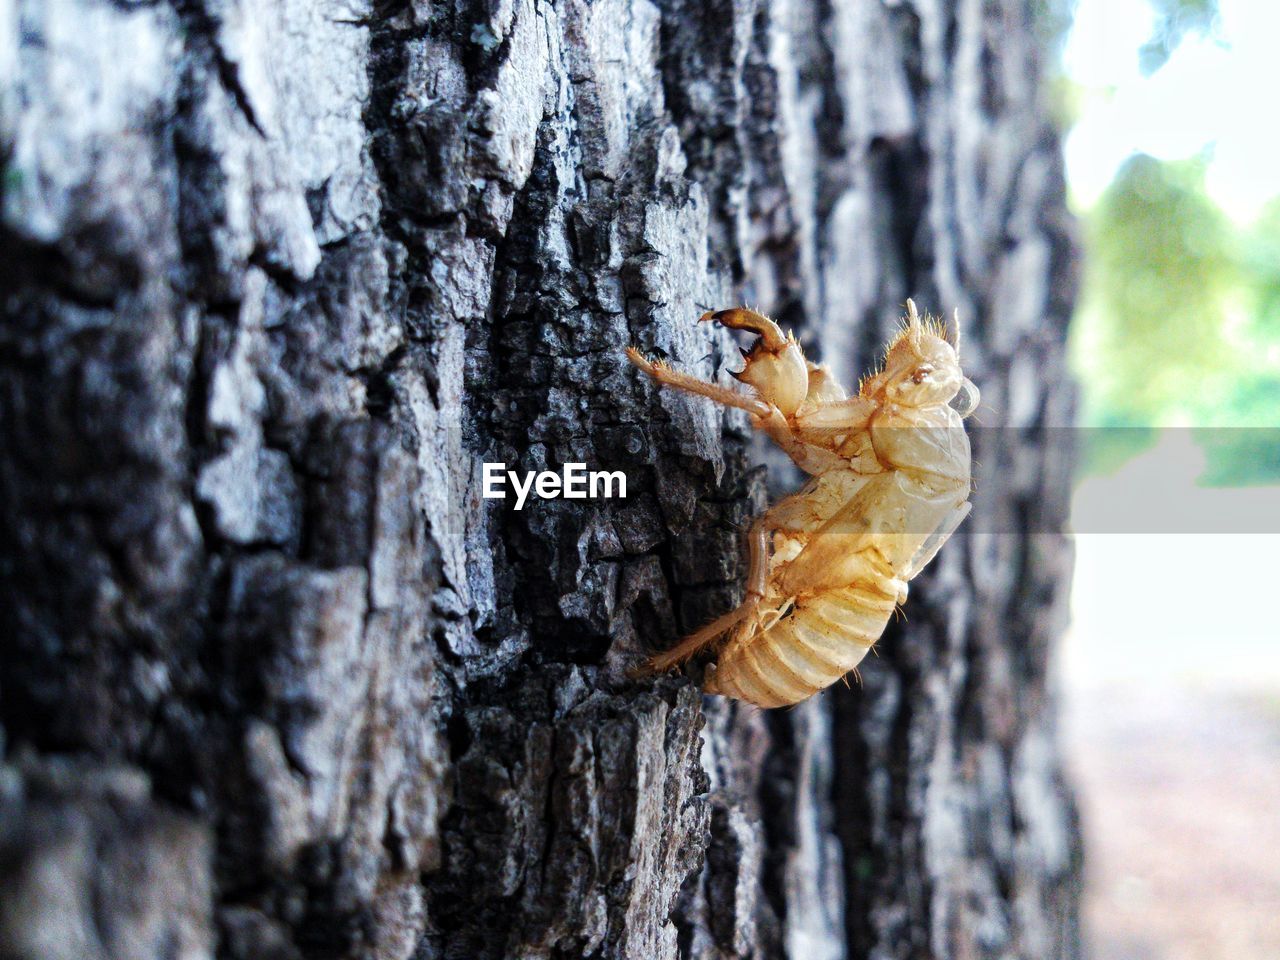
x=1179, y=323
x=1159, y=268
x=1261, y=263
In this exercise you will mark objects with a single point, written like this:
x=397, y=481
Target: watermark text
x=573, y=482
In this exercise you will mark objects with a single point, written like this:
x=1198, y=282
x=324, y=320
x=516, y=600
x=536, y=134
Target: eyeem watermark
x=574, y=482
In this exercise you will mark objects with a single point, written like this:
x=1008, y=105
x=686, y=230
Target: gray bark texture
x=277, y=682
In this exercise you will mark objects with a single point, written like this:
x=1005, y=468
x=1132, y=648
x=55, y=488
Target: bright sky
x=1153, y=607
x=1218, y=93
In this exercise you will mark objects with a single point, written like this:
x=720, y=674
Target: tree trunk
x=277, y=681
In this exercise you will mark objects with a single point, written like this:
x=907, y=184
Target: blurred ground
x=1179, y=794
x=1171, y=677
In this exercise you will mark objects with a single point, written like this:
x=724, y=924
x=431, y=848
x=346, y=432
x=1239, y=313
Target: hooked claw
x=740, y=318
x=775, y=364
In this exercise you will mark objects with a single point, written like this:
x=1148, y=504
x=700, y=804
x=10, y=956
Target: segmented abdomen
x=818, y=642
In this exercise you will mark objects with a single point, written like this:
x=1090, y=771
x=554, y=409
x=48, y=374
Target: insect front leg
x=812, y=459
x=823, y=423
x=664, y=375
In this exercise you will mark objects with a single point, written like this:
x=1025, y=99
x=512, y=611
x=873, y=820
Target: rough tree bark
x=277, y=277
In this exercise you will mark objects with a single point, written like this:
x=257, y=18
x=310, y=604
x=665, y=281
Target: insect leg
x=834, y=418
x=674, y=378
x=757, y=576
x=699, y=639
x=813, y=460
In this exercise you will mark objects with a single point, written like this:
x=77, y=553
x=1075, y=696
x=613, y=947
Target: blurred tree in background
x=1161, y=270
x=1261, y=264
x=1179, y=322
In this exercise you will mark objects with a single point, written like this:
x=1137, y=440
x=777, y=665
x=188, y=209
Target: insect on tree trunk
x=277, y=681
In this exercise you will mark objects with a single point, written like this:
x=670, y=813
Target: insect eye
x=921, y=374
